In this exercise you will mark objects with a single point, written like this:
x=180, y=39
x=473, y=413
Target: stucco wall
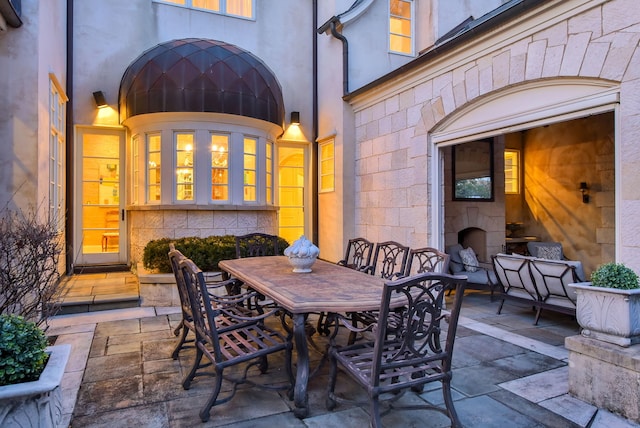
x=582, y=39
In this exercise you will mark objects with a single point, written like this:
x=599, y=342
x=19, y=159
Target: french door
x=292, y=178
x=99, y=225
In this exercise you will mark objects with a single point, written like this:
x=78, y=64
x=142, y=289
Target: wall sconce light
x=584, y=190
x=100, y=100
x=295, y=118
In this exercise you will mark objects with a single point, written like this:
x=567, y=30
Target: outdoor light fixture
x=584, y=189
x=295, y=118
x=100, y=100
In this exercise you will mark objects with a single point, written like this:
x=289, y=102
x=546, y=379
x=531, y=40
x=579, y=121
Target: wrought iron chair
x=427, y=260
x=358, y=257
x=389, y=260
x=250, y=245
x=403, y=351
x=245, y=340
x=358, y=254
x=186, y=324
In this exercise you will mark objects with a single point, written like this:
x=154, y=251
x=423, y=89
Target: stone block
x=605, y=375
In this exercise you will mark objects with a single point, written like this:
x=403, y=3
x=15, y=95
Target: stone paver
x=515, y=377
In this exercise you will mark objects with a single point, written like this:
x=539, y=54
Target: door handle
x=122, y=214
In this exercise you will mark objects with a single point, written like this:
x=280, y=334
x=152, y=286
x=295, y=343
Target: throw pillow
x=551, y=253
x=469, y=259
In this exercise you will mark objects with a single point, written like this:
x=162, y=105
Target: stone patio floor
x=507, y=373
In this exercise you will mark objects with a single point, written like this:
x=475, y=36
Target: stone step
x=75, y=305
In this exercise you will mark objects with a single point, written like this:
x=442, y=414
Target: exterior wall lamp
x=584, y=189
x=295, y=118
x=100, y=99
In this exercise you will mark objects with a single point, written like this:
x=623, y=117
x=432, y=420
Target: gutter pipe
x=69, y=170
x=314, y=131
x=331, y=25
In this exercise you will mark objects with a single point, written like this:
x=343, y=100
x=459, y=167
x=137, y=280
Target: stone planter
x=608, y=314
x=37, y=403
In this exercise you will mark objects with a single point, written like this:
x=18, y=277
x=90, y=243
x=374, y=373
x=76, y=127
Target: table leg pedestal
x=300, y=397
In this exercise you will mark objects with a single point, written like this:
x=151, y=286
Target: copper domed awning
x=199, y=75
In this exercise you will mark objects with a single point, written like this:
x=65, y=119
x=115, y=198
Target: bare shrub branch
x=29, y=253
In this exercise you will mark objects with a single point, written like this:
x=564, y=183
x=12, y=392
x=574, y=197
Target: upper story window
x=401, y=26
x=239, y=8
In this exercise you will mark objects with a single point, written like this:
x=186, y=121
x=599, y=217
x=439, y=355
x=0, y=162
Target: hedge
x=205, y=252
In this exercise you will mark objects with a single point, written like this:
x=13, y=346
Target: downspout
x=69, y=162
x=314, y=131
x=331, y=25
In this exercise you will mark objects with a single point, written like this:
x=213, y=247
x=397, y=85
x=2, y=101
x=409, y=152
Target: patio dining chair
x=246, y=340
x=402, y=351
x=358, y=257
x=250, y=245
x=427, y=260
x=389, y=260
x=186, y=323
x=358, y=254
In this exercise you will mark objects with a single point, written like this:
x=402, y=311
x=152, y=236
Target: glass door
x=100, y=236
x=291, y=194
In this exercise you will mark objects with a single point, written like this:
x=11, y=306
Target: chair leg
x=333, y=373
x=448, y=402
x=180, y=343
x=186, y=383
x=538, y=312
x=205, y=412
x=500, y=308
x=177, y=329
x=376, y=421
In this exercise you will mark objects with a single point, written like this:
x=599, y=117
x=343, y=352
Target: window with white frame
x=57, y=119
x=401, y=26
x=250, y=171
x=239, y=8
x=511, y=171
x=269, y=173
x=184, y=166
x=135, y=170
x=219, y=168
x=327, y=165
x=154, y=168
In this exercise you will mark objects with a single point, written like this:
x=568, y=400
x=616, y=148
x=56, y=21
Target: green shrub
x=22, y=350
x=614, y=275
x=205, y=252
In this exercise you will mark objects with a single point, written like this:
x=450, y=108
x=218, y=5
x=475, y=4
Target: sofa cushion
x=469, y=259
x=455, y=264
x=545, y=250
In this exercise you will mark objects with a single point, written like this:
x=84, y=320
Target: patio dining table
x=327, y=288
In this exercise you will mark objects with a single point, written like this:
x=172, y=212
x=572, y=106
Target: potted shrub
x=30, y=375
x=608, y=307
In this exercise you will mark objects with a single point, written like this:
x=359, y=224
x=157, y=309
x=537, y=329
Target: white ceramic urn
x=302, y=255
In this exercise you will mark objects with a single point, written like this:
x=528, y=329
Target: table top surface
x=327, y=288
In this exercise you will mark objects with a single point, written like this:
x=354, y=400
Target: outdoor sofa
x=540, y=282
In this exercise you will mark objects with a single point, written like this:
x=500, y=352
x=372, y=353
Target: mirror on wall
x=473, y=171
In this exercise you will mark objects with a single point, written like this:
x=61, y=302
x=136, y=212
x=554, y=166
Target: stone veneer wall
x=148, y=224
x=594, y=39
